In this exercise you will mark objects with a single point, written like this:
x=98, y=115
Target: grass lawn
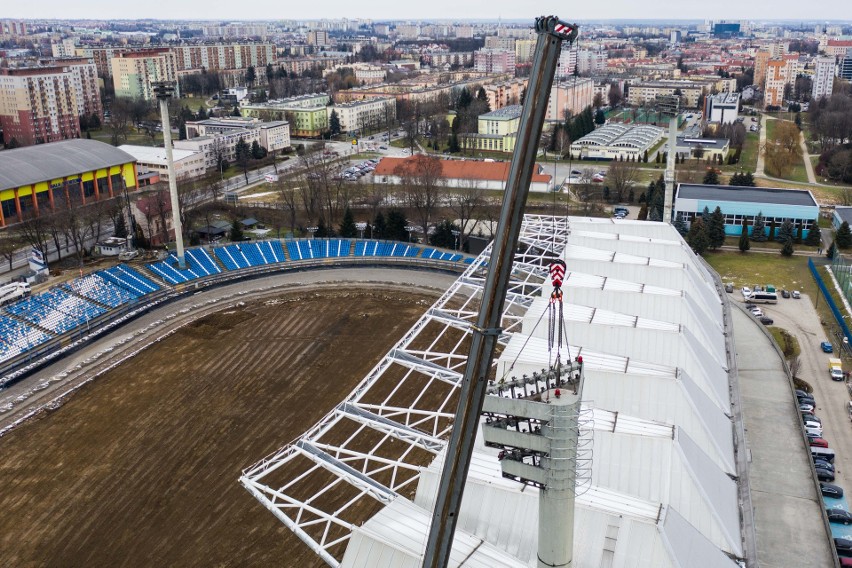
x=770, y=128
x=133, y=137
x=748, y=157
x=734, y=241
x=782, y=337
x=748, y=269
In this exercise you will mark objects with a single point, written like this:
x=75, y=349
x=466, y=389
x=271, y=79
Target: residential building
x=823, y=80
x=494, y=61
x=217, y=138
x=642, y=93
x=464, y=31
x=496, y=130
x=524, y=50
x=570, y=96
x=408, y=31
x=222, y=56
x=761, y=59
x=505, y=93
x=318, y=38
x=13, y=28
x=567, y=64
x=366, y=114
x=369, y=74
x=501, y=43
x=450, y=58
x=743, y=204
x=39, y=105
x=65, y=48
x=102, y=56
x=723, y=108
x=776, y=80
x=236, y=30
x=188, y=164
x=591, y=62
x=462, y=173
x=134, y=73
x=617, y=142
x=845, y=68
x=49, y=177
x=86, y=83
x=837, y=47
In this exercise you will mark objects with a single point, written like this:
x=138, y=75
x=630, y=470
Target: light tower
x=544, y=445
x=669, y=106
x=164, y=91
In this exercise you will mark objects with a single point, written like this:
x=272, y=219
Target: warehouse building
x=744, y=204
x=617, y=142
x=69, y=173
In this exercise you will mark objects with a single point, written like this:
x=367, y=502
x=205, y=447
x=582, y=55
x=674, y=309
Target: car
x=796, y=295
x=817, y=442
x=750, y=306
x=809, y=417
x=729, y=287
x=824, y=464
x=826, y=475
x=826, y=347
x=806, y=407
x=843, y=546
x=746, y=292
x=757, y=312
x=839, y=516
x=829, y=490
x=800, y=392
x=383, y=147
x=766, y=320
x=128, y=254
x=785, y=294
x=845, y=562
x=576, y=173
x=813, y=430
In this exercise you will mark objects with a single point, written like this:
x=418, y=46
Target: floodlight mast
x=551, y=33
x=164, y=90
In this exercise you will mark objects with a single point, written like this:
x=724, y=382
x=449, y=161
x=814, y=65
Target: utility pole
x=551, y=33
x=164, y=91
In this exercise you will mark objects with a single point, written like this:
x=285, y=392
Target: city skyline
x=441, y=9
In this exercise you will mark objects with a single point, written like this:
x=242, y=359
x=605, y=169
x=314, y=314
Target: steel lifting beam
x=551, y=33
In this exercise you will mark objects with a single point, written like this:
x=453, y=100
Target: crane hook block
x=557, y=28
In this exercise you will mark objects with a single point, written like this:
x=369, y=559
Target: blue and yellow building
x=70, y=173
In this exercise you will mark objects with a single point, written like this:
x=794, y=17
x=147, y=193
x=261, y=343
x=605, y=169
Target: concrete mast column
x=670, y=171
x=556, y=499
x=167, y=142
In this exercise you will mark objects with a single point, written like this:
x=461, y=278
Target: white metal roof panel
x=688, y=546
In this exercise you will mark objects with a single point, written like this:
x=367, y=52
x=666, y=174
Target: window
x=9, y=208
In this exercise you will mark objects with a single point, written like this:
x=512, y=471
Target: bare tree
x=35, y=231
x=620, y=178
x=288, y=194
x=9, y=245
x=465, y=202
x=422, y=179
x=119, y=121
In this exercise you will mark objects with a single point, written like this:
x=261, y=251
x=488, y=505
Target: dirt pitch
x=140, y=467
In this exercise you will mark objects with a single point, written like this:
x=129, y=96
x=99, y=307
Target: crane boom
x=551, y=33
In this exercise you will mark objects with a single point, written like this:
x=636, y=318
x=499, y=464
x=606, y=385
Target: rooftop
x=506, y=113
x=154, y=155
x=46, y=162
x=456, y=169
x=770, y=195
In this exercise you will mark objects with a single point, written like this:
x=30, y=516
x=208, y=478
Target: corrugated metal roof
x=47, y=162
x=769, y=195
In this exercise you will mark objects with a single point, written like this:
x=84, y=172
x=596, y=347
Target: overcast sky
x=428, y=9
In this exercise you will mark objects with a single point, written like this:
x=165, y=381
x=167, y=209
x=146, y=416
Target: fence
x=844, y=285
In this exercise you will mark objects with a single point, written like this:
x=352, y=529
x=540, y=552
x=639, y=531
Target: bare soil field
x=140, y=467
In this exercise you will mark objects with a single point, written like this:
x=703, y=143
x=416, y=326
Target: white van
x=823, y=453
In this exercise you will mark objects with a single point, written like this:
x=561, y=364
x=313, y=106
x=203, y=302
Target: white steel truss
x=370, y=449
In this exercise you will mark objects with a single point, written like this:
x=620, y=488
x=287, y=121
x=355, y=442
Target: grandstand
x=105, y=294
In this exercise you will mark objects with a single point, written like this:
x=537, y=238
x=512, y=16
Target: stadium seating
x=439, y=255
x=56, y=310
x=385, y=248
x=130, y=279
x=198, y=265
x=244, y=255
x=95, y=287
x=17, y=337
x=318, y=248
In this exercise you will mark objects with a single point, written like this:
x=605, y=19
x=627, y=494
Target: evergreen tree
x=120, y=230
x=758, y=230
x=843, y=237
x=257, y=151
x=347, y=227
x=786, y=231
x=182, y=131
x=630, y=196
x=748, y=179
x=236, y=231
x=716, y=229
x=600, y=117
x=464, y=99
x=697, y=236
x=236, y=111
x=787, y=249
x=831, y=251
x=799, y=232
x=396, y=226
x=681, y=227
x=711, y=178
x=334, y=123
x=772, y=230
x=736, y=180
x=443, y=236
x=322, y=231
x=453, y=146
x=814, y=237
x=202, y=113
x=379, y=227
x=251, y=75
x=643, y=212
x=655, y=205
x=745, y=243
x=645, y=157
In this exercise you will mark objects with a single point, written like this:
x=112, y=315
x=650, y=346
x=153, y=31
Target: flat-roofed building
x=744, y=204
x=188, y=164
x=570, y=96
x=307, y=115
x=134, y=73
x=497, y=130
x=643, y=93
x=357, y=116
x=71, y=173
x=823, y=81
x=494, y=61
x=617, y=142
x=216, y=139
x=723, y=108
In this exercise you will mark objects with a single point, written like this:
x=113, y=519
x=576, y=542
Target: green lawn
x=748, y=157
x=748, y=269
x=134, y=137
x=734, y=241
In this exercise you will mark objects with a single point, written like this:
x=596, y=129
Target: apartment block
x=364, y=114
x=307, y=115
x=39, y=105
x=642, y=93
x=494, y=61
x=134, y=73
x=776, y=79
x=13, y=28
x=318, y=38
x=823, y=81
x=524, y=50
x=570, y=97
x=102, y=56
x=222, y=56
x=236, y=30
x=65, y=48
x=567, y=62
x=505, y=93
x=761, y=58
x=497, y=42
x=845, y=69
x=215, y=138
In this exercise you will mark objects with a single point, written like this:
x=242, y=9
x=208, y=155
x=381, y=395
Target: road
x=801, y=319
x=759, y=170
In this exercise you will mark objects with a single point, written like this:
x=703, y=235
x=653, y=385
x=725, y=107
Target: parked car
x=767, y=320
x=843, y=546
x=757, y=312
x=823, y=464
x=806, y=407
x=128, y=254
x=576, y=173
x=826, y=347
x=809, y=417
x=796, y=295
x=785, y=294
x=746, y=292
x=729, y=287
x=383, y=147
x=817, y=442
x=827, y=475
x=845, y=561
x=800, y=392
x=829, y=490
x=750, y=306
x=814, y=429
x=839, y=516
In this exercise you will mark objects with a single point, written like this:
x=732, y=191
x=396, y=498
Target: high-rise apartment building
x=845, y=71
x=318, y=38
x=776, y=79
x=102, y=56
x=223, y=57
x=13, y=28
x=761, y=58
x=87, y=90
x=567, y=62
x=498, y=42
x=236, y=30
x=823, y=81
x=65, y=48
x=135, y=72
x=38, y=105
x=494, y=61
